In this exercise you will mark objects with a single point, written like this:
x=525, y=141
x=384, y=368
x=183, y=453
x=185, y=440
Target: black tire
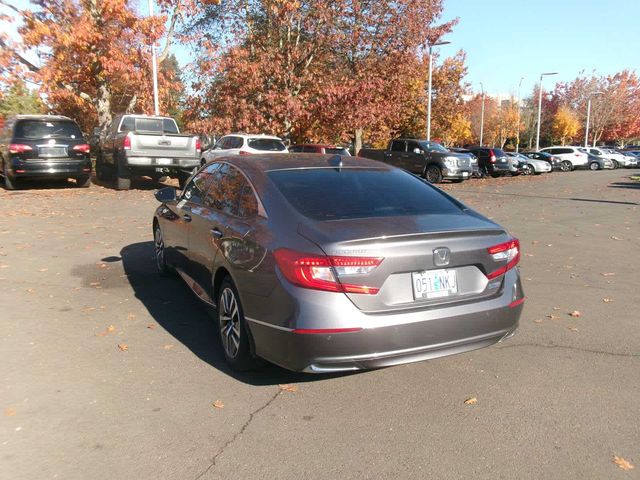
x=615, y=164
x=232, y=326
x=182, y=180
x=528, y=169
x=566, y=166
x=163, y=267
x=202, y=162
x=594, y=166
x=433, y=174
x=123, y=178
x=83, y=181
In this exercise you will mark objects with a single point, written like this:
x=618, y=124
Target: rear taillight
x=19, y=148
x=126, y=144
x=242, y=152
x=509, y=251
x=83, y=147
x=320, y=272
x=198, y=144
x=492, y=156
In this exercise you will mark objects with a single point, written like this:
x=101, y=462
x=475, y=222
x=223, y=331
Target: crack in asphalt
x=240, y=432
x=568, y=347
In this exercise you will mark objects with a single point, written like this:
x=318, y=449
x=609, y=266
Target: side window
x=128, y=124
x=169, y=125
x=225, y=190
x=397, y=146
x=219, y=143
x=248, y=205
x=309, y=149
x=295, y=149
x=231, y=142
x=411, y=146
x=195, y=191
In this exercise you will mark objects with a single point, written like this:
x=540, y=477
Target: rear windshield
x=159, y=125
x=498, y=153
x=331, y=194
x=35, y=129
x=337, y=151
x=267, y=144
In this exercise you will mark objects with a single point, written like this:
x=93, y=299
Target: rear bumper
x=390, y=339
x=58, y=168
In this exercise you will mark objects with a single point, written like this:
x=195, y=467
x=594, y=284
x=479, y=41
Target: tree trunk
x=103, y=106
x=357, y=144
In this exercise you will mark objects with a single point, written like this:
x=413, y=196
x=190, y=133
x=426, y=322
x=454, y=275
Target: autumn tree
x=565, y=125
x=17, y=99
x=95, y=57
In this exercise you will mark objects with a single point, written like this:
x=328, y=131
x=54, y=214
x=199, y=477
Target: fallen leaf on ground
x=575, y=313
x=151, y=326
x=288, y=387
x=537, y=320
x=622, y=463
x=608, y=274
x=131, y=316
x=123, y=347
x=573, y=329
x=43, y=270
x=218, y=404
x=613, y=237
x=471, y=401
x=607, y=300
x=556, y=308
x=10, y=411
x=94, y=284
x=553, y=317
x=88, y=309
x=168, y=346
x=31, y=290
x=549, y=244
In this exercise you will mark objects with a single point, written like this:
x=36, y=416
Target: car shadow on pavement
x=177, y=310
x=633, y=185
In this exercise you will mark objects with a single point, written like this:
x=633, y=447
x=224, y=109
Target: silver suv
x=243, y=144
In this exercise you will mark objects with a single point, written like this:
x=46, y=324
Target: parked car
x=598, y=161
x=145, y=145
x=325, y=264
x=430, y=160
x=317, y=148
x=474, y=160
x=43, y=147
x=604, y=153
x=530, y=166
x=243, y=144
x=494, y=162
x=570, y=157
x=555, y=162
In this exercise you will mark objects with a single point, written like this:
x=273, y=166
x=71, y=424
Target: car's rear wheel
x=433, y=174
x=615, y=164
x=594, y=166
x=566, y=166
x=528, y=169
x=232, y=326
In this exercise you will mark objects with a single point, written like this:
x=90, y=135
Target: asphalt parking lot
x=110, y=371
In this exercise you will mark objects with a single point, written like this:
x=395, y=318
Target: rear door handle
x=216, y=233
x=186, y=217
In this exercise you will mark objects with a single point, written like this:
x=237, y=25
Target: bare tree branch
x=174, y=18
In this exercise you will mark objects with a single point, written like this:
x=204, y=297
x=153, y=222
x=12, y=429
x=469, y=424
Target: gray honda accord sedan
x=323, y=263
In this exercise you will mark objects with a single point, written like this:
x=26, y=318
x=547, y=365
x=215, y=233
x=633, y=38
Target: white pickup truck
x=144, y=145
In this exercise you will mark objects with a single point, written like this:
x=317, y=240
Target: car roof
x=318, y=145
x=42, y=117
x=251, y=135
x=259, y=164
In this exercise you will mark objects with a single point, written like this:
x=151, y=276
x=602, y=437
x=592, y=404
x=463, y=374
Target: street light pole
x=540, y=107
x=154, y=66
x=586, y=128
x=518, y=124
x=482, y=116
x=429, y=92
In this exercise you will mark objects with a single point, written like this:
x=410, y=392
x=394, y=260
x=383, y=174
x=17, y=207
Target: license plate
x=53, y=152
x=164, y=161
x=434, y=283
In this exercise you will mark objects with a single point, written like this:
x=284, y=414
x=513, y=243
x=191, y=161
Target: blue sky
x=509, y=39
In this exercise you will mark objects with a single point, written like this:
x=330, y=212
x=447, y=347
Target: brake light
x=492, y=157
x=19, y=148
x=83, y=147
x=126, y=144
x=509, y=251
x=319, y=272
x=198, y=144
x=242, y=152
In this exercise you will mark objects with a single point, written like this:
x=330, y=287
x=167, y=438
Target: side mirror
x=417, y=151
x=166, y=194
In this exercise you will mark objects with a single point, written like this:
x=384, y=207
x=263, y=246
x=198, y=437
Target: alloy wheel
x=159, y=249
x=229, y=318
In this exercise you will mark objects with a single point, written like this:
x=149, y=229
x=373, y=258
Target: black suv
x=493, y=161
x=43, y=147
